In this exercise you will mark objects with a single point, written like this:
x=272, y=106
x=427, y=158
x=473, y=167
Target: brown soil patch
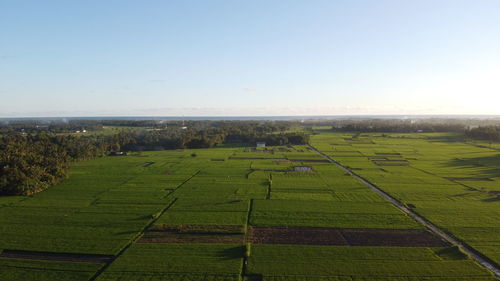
x=217, y=234
x=30, y=255
x=190, y=238
x=391, y=237
x=199, y=229
x=296, y=236
x=344, y=237
x=257, y=158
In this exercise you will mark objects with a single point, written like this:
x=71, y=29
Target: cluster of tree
x=29, y=164
x=488, y=133
x=202, y=135
x=398, y=126
x=32, y=162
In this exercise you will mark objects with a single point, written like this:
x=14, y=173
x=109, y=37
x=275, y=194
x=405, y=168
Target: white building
x=261, y=144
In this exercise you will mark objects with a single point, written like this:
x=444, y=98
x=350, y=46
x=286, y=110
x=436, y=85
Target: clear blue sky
x=260, y=57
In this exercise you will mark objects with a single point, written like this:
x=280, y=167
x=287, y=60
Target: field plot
x=329, y=214
x=22, y=269
x=452, y=184
x=284, y=262
x=177, y=262
x=226, y=214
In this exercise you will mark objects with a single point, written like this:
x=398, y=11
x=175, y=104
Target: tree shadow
x=232, y=253
x=492, y=199
x=490, y=165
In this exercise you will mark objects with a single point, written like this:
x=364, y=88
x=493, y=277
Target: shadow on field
x=232, y=253
x=492, y=199
x=490, y=165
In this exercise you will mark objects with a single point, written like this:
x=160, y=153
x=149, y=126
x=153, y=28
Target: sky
x=245, y=58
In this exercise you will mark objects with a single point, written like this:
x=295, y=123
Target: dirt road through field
x=477, y=256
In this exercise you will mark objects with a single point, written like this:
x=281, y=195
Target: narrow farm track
x=482, y=146
x=477, y=256
x=138, y=236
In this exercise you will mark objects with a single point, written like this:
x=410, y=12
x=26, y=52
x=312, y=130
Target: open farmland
x=235, y=213
x=454, y=185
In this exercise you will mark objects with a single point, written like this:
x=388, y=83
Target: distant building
x=118, y=153
x=302, y=169
x=261, y=144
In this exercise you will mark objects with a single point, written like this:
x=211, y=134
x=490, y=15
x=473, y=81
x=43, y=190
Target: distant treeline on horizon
x=36, y=154
x=252, y=118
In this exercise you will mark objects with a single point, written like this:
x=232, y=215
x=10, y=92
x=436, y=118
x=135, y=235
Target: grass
x=360, y=262
x=467, y=209
x=178, y=262
x=13, y=269
x=107, y=203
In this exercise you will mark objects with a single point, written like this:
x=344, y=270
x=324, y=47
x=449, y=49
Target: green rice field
x=230, y=213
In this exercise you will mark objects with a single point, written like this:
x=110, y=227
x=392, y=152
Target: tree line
x=31, y=162
x=488, y=133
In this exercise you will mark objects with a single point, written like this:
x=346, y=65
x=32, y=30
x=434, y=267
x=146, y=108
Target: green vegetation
x=177, y=262
x=138, y=207
x=359, y=263
x=31, y=163
x=453, y=184
x=16, y=269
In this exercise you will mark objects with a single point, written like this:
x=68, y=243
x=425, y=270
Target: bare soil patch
x=391, y=237
x=30, y=255
x=296, y=235
x=344, y=237
x=189, y=238
x=195, y=228
x=257, y=158
x=217, y=234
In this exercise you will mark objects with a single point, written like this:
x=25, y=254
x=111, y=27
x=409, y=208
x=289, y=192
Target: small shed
x=261, y=144
x=118, y=153
x=302, y=169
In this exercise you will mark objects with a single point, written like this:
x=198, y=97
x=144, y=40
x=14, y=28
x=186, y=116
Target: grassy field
x=453, y=184
x=108, y=205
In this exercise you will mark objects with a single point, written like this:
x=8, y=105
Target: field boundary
x=139, y=234
x=52, y=256
x=474, y=254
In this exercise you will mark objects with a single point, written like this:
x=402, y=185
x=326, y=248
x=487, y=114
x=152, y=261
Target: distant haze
x=249, y=58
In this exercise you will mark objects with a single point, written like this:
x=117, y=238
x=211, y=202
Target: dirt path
x=49, y=256
x=477, y=256
x=139, y=234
